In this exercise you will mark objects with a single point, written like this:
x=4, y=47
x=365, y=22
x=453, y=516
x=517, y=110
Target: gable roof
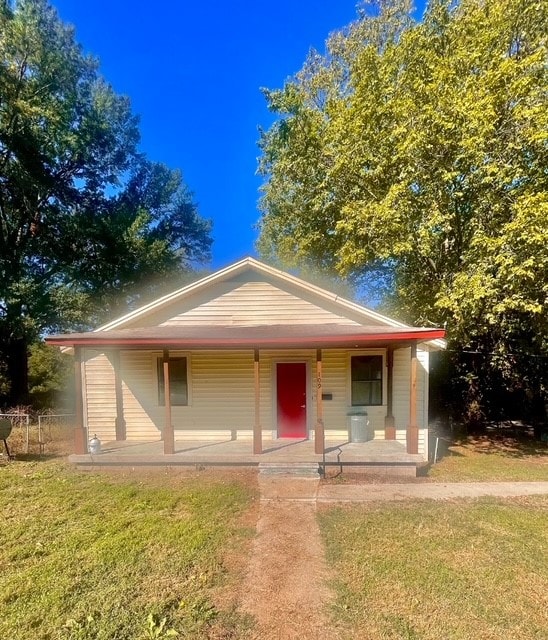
x=322, y=295
x=344, y=323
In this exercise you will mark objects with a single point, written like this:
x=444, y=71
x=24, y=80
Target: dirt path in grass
x=285, y=589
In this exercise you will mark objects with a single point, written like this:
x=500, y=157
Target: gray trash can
x=359, y=426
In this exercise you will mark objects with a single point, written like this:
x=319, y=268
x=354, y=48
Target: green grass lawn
x=491, y=458
x=456, y=570
x=98, y=556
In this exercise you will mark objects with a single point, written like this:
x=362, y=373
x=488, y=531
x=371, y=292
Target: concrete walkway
x=311, y=490
x=285, y=588
x=428, y=491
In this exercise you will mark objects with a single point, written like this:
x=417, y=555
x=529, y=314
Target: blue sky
x=193, y=71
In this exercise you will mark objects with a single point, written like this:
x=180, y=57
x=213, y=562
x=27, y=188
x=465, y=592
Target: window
x=178, y=382
x=366, y=372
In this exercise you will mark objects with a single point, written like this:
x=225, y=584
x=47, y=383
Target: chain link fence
x=39, y=434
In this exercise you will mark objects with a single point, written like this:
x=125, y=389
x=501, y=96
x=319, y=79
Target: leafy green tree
x=84, y=218
x=150, y=229
x=51, y=378
x=413, y=155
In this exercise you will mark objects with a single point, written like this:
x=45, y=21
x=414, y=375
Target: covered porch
x=380, y=457
x=319, y=342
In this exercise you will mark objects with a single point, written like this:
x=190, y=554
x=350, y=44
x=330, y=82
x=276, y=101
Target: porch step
x=292, y=469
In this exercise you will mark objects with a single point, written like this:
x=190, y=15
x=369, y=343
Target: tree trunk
x=16, y=355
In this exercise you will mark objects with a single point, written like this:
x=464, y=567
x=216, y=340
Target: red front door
x=291, y=399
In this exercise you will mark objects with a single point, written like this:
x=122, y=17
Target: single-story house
x=251, y=352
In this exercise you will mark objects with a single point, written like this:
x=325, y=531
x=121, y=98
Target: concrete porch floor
x=375, y=456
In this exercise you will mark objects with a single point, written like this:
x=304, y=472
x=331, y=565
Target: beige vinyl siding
x=246, y=301
x=401, y=381
x=335, y=382
x=244, y=272
x=222, y=394
x=401, y=436
x=256, y=303
x=266, y=393
x=144, y=417
x=99, y=396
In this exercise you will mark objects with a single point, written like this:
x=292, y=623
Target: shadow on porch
x=376, y=456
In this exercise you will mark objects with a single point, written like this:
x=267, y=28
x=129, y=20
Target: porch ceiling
x=250, y=337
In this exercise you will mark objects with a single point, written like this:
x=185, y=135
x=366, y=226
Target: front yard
x=150, y=553
x=493, y=457
x=119, y=556
x=454, y=570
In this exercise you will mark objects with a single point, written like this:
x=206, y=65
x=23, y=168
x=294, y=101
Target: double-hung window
x=178, y=382
x=366, y=374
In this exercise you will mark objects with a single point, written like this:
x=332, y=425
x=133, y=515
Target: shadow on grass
x=505, y=445
x=508, y=439
x=36, y=457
